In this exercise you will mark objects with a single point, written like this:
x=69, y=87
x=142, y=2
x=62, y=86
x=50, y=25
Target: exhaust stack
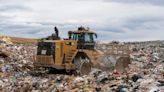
x=56, y=31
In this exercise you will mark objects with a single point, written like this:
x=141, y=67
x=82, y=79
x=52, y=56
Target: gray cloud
x=143, y=21
x=153, y=2
x=33, y=29
x=112, y=21
x=12, y=8
x=133, y=29
x=23, y=29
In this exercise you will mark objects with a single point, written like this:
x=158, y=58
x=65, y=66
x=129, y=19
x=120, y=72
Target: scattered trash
x=135, y=77
x=144, y=74
x=122, y=88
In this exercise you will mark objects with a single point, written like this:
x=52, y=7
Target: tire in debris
x=83, y=66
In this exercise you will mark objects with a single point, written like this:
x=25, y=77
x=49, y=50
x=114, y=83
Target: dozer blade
x=111, y=62
x=122, y=63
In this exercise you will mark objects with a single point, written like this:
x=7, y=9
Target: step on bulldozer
x=76, y=53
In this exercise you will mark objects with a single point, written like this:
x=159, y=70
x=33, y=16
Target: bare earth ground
x=19, y=39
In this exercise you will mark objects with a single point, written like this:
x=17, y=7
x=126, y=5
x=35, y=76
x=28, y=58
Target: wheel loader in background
x=77, y=53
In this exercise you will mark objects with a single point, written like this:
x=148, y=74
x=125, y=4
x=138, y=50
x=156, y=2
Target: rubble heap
x=144, y=74
x=15, y=61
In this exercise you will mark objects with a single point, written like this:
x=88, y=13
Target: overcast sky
x=123, y=20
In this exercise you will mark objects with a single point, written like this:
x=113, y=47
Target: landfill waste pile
x=15, y=62
x=144, y=74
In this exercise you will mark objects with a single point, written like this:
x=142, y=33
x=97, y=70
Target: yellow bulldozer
x=77, y=53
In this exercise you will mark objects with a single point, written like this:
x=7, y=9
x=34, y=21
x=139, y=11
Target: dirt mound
x=11, y=40
x=23, y=40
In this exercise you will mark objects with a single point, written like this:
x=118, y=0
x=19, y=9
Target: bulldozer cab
x=84, y=37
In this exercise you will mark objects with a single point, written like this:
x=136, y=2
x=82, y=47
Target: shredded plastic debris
x=144, y=74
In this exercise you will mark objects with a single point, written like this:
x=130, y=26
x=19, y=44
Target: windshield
x=86, y=37
x=76, y=37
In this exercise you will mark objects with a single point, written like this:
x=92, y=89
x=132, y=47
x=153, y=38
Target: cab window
x=88, y=38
